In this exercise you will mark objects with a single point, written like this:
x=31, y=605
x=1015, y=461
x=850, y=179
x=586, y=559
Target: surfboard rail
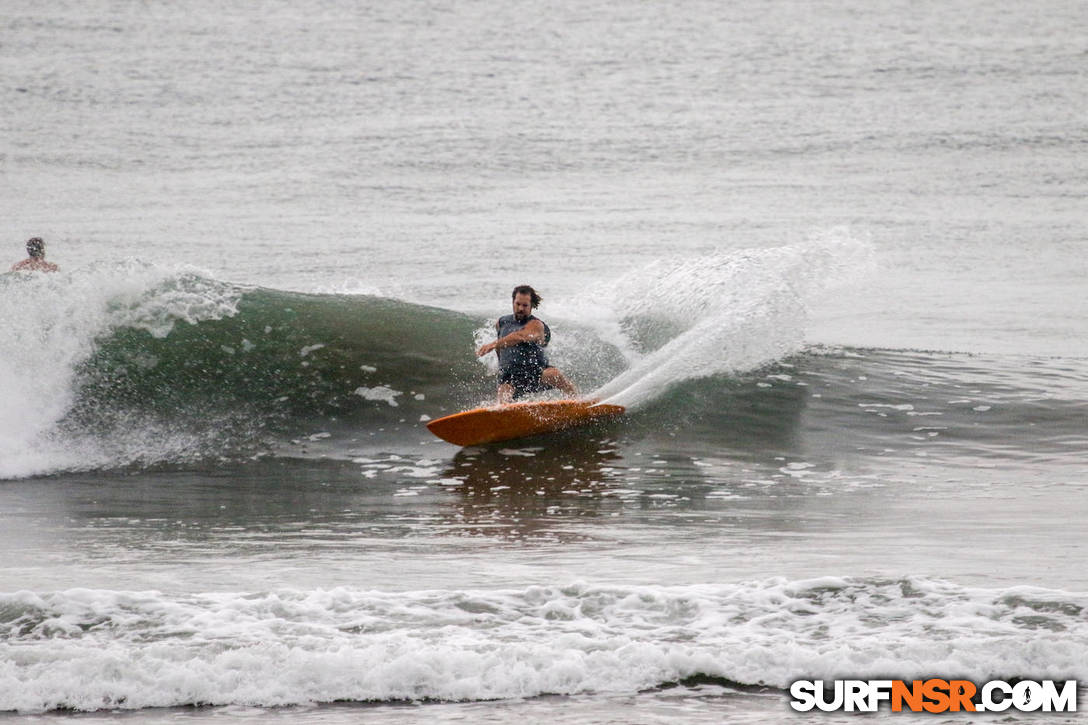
x=518, y=420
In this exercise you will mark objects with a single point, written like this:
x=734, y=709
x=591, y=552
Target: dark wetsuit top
x=522, y=364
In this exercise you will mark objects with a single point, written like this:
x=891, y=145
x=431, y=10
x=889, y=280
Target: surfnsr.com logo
x=934, y=695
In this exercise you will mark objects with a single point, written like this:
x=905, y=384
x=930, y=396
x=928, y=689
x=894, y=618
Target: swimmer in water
x=35, y=260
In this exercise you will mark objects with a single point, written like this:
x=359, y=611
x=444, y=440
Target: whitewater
x=830, y=258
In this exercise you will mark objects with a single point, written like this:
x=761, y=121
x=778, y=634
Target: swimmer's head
x=35, y=247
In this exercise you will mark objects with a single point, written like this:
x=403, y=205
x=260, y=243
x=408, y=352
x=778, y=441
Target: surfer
x=523, y=366
x=35, y=261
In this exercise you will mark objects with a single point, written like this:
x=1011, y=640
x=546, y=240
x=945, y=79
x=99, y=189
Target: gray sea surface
x=830, y=256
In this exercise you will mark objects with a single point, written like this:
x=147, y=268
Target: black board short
x=525, y=380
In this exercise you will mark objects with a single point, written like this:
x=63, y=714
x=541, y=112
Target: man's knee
x=552, y=376
x=556, y=379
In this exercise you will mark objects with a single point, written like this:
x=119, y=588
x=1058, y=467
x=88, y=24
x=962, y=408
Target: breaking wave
x=91, y=649
x=133, y=364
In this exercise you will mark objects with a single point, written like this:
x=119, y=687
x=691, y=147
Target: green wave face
x=283, y=357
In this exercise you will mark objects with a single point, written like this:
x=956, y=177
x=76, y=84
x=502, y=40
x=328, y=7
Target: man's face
x=523, y=306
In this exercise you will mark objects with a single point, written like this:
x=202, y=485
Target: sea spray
x=726, y=313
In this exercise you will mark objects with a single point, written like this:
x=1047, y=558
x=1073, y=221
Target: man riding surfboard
x=523, y=369
x=520, y=343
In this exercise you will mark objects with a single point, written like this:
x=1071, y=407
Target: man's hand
x=485, y=349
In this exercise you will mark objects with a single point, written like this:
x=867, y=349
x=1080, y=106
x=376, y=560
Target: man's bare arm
x=533, y=332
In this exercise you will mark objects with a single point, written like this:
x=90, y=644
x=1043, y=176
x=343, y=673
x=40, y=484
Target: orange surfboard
x=517, y=420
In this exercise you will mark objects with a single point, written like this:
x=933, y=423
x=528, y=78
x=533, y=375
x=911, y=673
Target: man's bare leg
x=556, y=379
x=506, y=393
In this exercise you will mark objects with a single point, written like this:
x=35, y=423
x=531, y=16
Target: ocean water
x=831, y=256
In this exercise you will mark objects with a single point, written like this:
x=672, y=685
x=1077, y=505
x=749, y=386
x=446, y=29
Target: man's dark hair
x=525, y=289
x=35, y=247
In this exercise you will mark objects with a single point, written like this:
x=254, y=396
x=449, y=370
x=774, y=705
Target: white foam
x=99, y=649
x=380, y=393
x=902, y=407
x=481, y=336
